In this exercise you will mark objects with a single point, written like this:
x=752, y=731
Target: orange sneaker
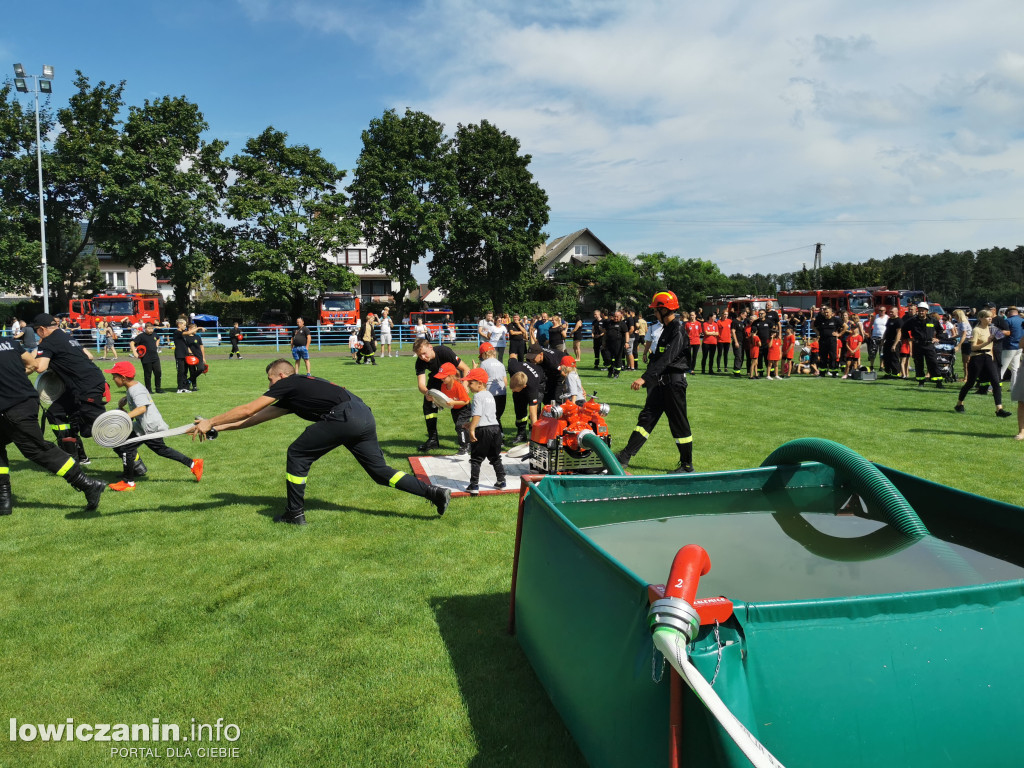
x=121, y=485
x=197, y=469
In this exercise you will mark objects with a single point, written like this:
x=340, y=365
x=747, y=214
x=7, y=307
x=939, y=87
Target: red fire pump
x=554, y=439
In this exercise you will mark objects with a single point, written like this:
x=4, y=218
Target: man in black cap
x=339, y=419
x=72, y=415
x=19, y=405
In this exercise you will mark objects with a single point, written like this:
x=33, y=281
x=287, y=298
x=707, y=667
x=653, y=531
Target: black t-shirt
x=761, y=328
x=180, y=344
x=826, y=326
x=301, y=337
x=556, y=336
x=442, y=355
x=892, y=327
x=615, y=330
x=194, y=345
x=534, y=377
x=149, y=341
x=597, y=328
x=307, y=398
x=15, y=386
x=69, y=361
x=235, y=335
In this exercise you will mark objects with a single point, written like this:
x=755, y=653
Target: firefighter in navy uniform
x=665, y=380
x=924, y=331
x=828, y=327
x=429, y=360
x=19, y=406
x=339, y=419
x=71, y=416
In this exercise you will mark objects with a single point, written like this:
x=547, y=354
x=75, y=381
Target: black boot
x=295, y=518
x=521, y=436
x=685, y=459
x=91, y=487
x=140, y=468
x=6, y=500
x=432, y=442
x=440, y=498
x=623, y=458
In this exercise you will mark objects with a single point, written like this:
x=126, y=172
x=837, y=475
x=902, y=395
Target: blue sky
x=738, y=132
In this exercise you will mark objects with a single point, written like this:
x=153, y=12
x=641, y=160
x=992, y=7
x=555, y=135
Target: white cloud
x=679, y=112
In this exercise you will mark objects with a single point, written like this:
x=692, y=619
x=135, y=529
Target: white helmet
x=923, y=305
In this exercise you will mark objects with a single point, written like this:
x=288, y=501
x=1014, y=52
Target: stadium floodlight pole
x=42, y=84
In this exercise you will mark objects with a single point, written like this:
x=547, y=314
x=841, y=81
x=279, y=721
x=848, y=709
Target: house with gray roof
x=580, y=247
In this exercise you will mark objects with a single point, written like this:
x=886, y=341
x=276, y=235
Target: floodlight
x=47, y=71
x=19, y=83
x=45, y=86
x=19, y=70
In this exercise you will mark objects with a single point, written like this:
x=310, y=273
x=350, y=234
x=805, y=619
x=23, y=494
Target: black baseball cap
x=43, y=320
x=535, y=349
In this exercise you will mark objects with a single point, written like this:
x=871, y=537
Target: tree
x=291, y=214
x=76, y=173
x=497, y=214
x=403, y=174
x=20, y=255
x=165, y=193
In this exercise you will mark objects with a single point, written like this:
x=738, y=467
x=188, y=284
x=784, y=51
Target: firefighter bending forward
x=666, y=386
x=339, y=419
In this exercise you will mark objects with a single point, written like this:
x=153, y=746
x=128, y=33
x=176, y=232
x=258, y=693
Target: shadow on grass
x=961, y=433
x=268, y=506
x=514, y=723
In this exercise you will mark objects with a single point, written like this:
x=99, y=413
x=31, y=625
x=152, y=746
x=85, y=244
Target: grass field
x=375, y=635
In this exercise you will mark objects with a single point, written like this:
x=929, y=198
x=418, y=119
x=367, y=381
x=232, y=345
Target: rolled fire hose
x=674, y=622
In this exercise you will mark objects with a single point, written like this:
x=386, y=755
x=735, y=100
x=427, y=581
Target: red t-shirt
x=710, y=333
x=693, y=332
x=853, y=342
x=787, y=346
x=755, y=346
x=455, y=392
x=774, y=349
x=725, y=331
x=814, y=347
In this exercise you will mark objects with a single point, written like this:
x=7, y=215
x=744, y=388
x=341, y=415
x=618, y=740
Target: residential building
x=375, y=285
x=580, y=247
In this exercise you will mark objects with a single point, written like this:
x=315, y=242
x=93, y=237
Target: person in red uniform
x=788, y=347
x=853, y=342
x=724, y=342
x=709, y=332
x=456, y=392
x=774, y=355
x=692, y=329
x=755, y=354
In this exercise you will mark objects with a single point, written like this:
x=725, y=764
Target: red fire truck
x=434, y=319
x=338, y=308
x=117, y=307
x=902, y=300
x=722, y=305
x=856, y=301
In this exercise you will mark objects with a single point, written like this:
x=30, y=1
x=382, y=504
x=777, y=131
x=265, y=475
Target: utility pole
x=817, y=264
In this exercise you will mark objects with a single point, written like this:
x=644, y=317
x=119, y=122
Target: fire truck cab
x=856, y=301
x=434, y=319
x=902, y=300
x=124, y=307
x=338, y=308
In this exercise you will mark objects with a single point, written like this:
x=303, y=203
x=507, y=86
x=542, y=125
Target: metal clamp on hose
x=674, y=613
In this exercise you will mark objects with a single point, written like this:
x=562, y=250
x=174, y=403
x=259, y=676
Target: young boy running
x=484, y=433
x=147, y=420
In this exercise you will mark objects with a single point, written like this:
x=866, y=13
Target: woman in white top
x=421, y=330
x=386, y=324
x=964, y=329
x=499, y=337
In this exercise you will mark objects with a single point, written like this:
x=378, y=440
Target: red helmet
x=206, y=368
x=665, y=299
x=140, y=350
x=192, y=360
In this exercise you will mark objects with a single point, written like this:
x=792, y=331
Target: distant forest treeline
x=964, y=278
